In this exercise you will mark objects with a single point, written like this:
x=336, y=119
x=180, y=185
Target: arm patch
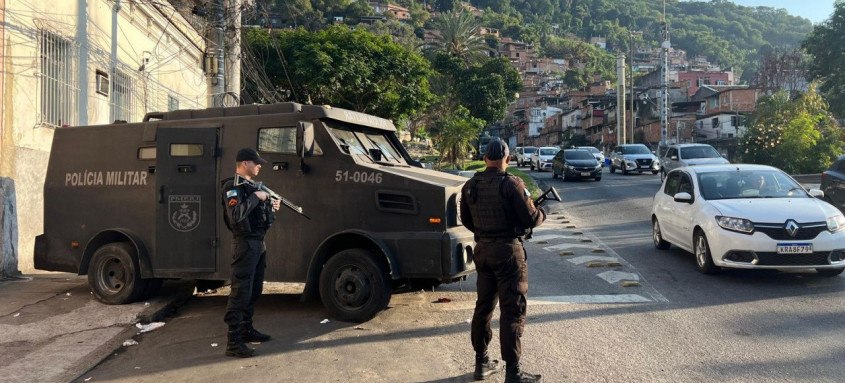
x=232, y=193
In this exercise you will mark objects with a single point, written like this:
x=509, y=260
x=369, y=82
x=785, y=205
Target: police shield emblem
x=184, y=212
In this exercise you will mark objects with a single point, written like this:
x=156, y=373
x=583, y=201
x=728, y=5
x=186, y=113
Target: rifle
x=550, y=194
x=273, y=195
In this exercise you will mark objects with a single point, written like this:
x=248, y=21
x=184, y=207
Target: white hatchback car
x=747, y=216
x=542, y=158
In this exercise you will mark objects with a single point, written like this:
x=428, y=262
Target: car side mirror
x=816, y=193
x=673, y=158
x=653, y=152
x=683, y=197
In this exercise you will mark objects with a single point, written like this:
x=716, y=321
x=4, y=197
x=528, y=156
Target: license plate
x=795, y=248
x=644, y=166
x=585, y=174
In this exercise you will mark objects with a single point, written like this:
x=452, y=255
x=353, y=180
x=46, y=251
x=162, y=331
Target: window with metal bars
x=122, y=96
x=58, y=81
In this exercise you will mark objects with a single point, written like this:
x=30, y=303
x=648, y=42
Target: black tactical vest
x=490, y=213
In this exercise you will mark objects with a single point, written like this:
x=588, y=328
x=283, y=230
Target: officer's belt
x=498, y=239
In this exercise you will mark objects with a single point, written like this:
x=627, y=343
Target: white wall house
x=537, y=119
x=85, y=62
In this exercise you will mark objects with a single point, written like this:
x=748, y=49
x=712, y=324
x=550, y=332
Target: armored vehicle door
x=188, y=199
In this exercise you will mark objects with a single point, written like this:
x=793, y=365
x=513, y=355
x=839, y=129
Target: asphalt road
x=604, y=306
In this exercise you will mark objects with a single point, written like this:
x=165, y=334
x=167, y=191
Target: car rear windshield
x=635, y=150
x=693, y=152
x=529, y=150
x=548, y=152
x=732, y=184
x=578, y=155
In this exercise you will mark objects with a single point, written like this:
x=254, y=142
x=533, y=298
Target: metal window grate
x=58, y=83
x=122, y=90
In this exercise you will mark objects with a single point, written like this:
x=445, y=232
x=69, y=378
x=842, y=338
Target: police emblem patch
x=184, y=212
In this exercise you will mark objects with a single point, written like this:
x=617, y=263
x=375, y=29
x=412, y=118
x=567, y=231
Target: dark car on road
x=576, y=163
x=833, y=183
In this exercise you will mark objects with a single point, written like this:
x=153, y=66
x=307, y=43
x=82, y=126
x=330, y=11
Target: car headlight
x=741, y=225
x=836, y=223
x=598, y=165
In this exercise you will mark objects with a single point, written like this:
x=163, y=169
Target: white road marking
x=616, y=276
x=612, y=298
x=589, y=258
x=539, y=238
x=564, y=246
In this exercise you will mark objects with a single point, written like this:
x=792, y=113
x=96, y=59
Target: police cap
x=496, y=150
x=249, y=154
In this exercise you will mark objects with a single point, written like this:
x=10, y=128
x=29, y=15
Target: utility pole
x=214, y=59
x=664, y=80
x=631, y=82
x=620, y=99
x=233, y=54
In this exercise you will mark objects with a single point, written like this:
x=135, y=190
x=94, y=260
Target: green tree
x=352, y=69
x=455, y=132
x=798, y=136
x=458, y=35
x=825, y=44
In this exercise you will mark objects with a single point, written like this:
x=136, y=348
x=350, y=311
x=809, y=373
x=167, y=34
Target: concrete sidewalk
x=52, y=329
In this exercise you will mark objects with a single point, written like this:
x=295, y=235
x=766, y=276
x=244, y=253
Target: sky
x=815, y=10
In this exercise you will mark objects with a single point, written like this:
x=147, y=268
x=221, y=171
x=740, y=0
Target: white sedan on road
x=749, y=217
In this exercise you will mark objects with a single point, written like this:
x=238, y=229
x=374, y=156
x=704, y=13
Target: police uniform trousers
x=248, y=264
x=503, y=276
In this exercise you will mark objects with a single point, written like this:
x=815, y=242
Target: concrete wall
x=148, y=34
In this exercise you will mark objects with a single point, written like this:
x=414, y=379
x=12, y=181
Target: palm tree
x=458, y=34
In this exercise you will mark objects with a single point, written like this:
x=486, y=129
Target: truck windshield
x=357, y=140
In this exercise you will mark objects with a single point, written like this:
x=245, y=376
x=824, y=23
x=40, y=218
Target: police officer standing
x=498, y=209
x=248, y=214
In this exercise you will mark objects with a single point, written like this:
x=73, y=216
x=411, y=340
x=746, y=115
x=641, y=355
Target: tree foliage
x=352, y=69
x=454, y=134
x=798, y=136
x=828, y=64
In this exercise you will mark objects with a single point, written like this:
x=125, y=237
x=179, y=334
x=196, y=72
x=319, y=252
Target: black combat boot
x=513, y=374
x=250, y=334
x=485, y=367
x=235, y=344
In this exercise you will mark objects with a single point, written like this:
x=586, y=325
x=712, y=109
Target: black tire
x=204, y=285
x=554, y=174
x=114, y=275
x=354, y=286
x=532, y=166
x=703, y=258
x=598, y=179
x=624, y=169
x=655, y=171
x=662, y=175
x=657, y=236
x=612, y=168
x=830, y=272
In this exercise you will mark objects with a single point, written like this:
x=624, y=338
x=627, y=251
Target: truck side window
x=186, y=150
x=277, y=140
x=147, y=153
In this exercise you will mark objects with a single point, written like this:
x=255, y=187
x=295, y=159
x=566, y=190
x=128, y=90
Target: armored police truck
x=130, y=204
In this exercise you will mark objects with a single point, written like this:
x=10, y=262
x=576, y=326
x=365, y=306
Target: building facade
x=77, y=63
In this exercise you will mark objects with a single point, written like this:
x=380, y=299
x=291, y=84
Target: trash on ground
x=149, y=326
x=442, y=300
x=468, y=321
x=137, y=368
x=88, y=378
x=68, y=293
x=129, y=342
x=630, y=283
x=146, y=304
x=324, y=321
x=214, y=345
x=16, y=315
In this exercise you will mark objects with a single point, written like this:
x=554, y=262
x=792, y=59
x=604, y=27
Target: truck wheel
x=354, y=287
x=114, y=275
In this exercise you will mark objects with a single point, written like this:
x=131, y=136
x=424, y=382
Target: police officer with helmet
x=249, y=212
x=498, y=209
